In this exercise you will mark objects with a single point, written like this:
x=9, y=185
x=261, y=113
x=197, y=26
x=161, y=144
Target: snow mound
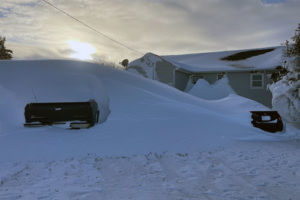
x=27, y=82
x=146, y=115
x=286, y=92
x=286, y=99
x=145, y=65
x=219, y=90
x=11, y=112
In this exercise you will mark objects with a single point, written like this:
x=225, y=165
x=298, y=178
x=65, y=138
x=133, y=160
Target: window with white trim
x=257, y=81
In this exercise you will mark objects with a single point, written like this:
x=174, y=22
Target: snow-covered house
x=248, y=71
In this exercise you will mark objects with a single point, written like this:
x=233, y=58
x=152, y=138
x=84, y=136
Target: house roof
x=239, y=60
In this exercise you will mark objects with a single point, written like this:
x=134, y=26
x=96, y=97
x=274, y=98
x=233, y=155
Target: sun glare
x=81, y=50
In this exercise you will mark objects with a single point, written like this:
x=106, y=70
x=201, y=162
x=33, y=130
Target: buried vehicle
x=80, y=114
x=267, y=120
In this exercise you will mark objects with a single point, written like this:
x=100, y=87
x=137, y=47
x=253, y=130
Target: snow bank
x=11, y=113
x=145, y=65
x=286, y=99
x=53, y=81
x=286, y=92
x=146, y=116
x=215, y=91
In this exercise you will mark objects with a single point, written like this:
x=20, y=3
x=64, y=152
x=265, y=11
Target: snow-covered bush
x=286, y=89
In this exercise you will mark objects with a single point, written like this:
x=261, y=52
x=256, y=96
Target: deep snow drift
x=220, y=89
x=145, y=65
x=143, y=116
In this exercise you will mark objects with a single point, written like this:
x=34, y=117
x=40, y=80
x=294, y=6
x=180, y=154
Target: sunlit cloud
x=35, y=30
x=81, y=50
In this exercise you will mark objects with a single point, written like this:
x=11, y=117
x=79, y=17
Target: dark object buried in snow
x=267, y=120
x=80, y=114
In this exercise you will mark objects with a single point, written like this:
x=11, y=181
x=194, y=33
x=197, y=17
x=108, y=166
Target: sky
x=35, y=30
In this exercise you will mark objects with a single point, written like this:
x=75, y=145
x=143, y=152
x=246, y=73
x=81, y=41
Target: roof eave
x=225, y=70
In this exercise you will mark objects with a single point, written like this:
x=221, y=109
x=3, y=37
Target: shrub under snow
x=286, y=92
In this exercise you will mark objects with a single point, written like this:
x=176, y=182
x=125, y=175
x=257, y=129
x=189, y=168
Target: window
x=257, y=80
x=220, y=76
x=195, y=78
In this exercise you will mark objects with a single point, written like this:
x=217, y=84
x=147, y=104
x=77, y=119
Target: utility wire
x=90, y=27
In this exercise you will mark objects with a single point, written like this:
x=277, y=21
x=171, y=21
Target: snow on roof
x=212, y=62
x=145, y=64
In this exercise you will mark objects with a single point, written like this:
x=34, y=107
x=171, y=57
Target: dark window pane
x=257, y=77
x=256, y=83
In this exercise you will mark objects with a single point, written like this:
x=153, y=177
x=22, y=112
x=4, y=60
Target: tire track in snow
x=185, y=181
x=271, y=171
x=243, y=181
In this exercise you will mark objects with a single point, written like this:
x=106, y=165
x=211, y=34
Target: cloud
x=34, y=29
x=273, y=1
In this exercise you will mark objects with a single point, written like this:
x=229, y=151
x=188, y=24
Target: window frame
x=252, y=81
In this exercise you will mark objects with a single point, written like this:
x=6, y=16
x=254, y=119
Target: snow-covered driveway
x=264, y=171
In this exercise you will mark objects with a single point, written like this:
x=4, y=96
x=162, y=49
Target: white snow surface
x=154, y=141
x=147, y=63
x=220, y=89
x=286, y=92
x=286, y=99
x=210, y=62
x=263, y=171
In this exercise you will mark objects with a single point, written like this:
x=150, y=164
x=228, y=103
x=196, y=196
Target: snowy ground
x=259, y=170
x=155, y=143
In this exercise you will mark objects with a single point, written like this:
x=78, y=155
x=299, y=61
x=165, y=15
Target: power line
x=90, y=27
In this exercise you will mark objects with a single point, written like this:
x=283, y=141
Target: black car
x=267, y=120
